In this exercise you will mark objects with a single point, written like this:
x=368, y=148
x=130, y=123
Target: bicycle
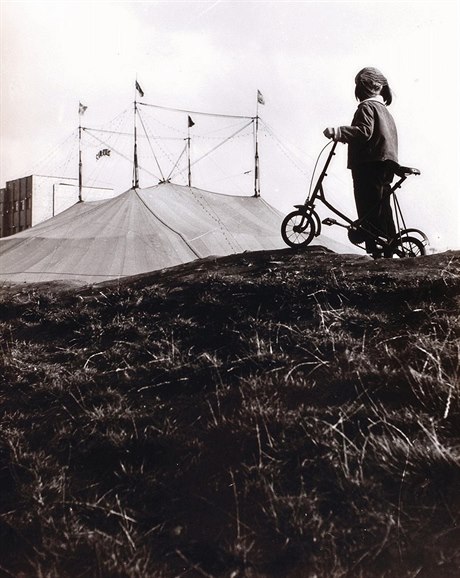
x=300, y=227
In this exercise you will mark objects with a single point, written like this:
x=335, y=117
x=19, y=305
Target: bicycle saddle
x=405, y=171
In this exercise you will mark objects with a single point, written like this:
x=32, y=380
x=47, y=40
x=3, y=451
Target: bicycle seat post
x=398, y=184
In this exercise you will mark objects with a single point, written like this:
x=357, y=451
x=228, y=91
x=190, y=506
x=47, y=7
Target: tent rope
x=177, y=162
x=284, y=149
x=219, y=145
x=131, y=134
x=150, y=144
x=44, y=163
x=195, y=111
x=118, y=152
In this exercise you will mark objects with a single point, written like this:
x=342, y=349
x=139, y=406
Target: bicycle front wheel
x=298, y=229
x=408, y=247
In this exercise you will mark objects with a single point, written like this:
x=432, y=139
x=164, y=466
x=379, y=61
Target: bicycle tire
x=405, y=247
x=298, y=229
x=416, y=233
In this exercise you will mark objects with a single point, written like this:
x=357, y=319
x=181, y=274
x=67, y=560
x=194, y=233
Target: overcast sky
x=213, y=56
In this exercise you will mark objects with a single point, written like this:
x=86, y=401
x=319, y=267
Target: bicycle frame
x=318, y=194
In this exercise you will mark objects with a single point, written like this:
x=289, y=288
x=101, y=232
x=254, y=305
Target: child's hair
x=370, y=82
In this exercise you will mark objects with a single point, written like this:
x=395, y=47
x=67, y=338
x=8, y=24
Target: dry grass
x=277, y=414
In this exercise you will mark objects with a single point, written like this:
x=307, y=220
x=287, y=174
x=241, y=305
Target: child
x=372, y=155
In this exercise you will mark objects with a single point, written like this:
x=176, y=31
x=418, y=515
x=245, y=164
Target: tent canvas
x=140, y=231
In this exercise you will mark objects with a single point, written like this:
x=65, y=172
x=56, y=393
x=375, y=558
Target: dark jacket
x=372, y=135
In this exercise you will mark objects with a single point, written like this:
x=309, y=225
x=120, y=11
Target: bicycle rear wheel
x=298, y=229
x=408, y=247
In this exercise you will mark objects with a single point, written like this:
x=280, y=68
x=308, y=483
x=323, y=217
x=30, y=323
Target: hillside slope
x=275, y=414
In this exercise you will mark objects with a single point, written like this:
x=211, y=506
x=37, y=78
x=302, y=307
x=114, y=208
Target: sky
x=214, y=56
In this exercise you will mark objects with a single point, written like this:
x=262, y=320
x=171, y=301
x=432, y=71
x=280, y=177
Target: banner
x=103, y=153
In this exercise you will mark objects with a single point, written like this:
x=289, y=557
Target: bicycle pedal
x=328, y=221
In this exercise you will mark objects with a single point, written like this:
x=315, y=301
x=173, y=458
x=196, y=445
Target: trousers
x=371, y=187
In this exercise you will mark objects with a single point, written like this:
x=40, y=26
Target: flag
x=81, y=108
x=139, y=89
x=190, y=122
x=103, y=153
x=260, y=97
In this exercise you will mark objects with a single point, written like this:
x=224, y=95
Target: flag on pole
x=139, y=89
x=260, y=97
x=190, y=122
x=81, y=108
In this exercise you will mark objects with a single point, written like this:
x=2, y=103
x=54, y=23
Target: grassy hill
x=277, y=414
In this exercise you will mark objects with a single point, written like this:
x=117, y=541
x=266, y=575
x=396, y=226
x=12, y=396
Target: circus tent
x=146, y=229
x=136, y=232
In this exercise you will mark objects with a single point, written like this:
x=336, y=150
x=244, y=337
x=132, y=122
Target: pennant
x=190, y=123
x=81, y=108
x=260, y=97
x=139, y=89
x=103, y=153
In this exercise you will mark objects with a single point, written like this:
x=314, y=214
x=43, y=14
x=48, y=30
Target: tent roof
x=139, y=231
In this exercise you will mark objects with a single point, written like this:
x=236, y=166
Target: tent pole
x=256, y=159
x=136, y=167
x=188, y=160
x=80, y=178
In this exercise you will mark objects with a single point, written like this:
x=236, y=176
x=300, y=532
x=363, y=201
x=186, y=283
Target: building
x=27, y=201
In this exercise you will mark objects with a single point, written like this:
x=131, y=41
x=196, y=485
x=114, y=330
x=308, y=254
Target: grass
x=276, y=414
